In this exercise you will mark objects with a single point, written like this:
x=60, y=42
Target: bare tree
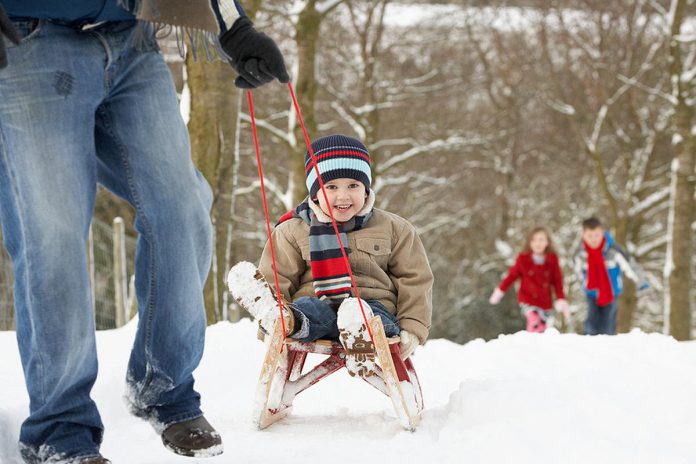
x=682, y=213
x=592, y=71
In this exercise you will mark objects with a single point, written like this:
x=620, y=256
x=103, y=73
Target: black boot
x=95, y=460
x=194, y=438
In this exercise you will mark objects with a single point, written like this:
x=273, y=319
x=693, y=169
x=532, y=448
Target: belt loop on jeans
x=89, y=26
x=79, y=25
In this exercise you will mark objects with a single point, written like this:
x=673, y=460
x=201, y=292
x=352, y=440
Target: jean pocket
x=27, y=30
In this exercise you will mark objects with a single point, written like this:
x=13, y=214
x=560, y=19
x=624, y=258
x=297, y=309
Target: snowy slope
x=531, y=398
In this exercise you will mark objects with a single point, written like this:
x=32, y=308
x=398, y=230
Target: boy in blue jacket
x=598, y=262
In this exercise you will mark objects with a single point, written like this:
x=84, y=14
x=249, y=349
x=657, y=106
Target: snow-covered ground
x=523, y=398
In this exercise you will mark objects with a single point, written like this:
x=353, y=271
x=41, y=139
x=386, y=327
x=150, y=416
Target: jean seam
x=109, y=59
x=152, y=268
x=13, y=183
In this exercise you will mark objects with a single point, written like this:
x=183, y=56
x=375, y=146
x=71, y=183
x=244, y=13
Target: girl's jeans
x=80, y=107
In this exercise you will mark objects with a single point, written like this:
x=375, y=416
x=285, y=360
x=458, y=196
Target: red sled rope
x=323, y=191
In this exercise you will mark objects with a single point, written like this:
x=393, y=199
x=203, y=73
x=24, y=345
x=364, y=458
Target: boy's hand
x=562, y=306
x=253, y=54
x=408, y=344
x=7, y=30
x=496, y=296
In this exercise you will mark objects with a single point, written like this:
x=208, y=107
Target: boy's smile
x=346, y=198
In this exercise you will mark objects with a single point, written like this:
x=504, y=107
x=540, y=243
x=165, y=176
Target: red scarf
x=597, y=275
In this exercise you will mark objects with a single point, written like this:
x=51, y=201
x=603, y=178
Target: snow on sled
x=282, y=376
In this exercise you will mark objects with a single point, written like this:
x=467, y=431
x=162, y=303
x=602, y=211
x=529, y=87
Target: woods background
x=483, y=119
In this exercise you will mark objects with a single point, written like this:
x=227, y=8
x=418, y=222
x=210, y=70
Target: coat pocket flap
x=374, y=246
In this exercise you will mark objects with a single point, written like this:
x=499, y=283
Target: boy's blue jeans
x=317, y=319
x=77, y=108
x=601, y=320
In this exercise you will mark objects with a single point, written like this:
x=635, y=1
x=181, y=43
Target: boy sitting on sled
x=386, y=256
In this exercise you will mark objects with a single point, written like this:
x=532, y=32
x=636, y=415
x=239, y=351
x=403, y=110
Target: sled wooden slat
x=407, y=411
x=263, y=415
x=282, y=377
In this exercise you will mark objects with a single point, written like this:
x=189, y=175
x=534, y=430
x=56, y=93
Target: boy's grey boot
x=193, y=438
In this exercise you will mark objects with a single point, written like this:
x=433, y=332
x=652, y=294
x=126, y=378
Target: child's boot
x=355, y=338
x=251, y=290
x=534, y=322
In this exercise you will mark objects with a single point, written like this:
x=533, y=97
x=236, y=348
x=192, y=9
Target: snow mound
x=524, y=398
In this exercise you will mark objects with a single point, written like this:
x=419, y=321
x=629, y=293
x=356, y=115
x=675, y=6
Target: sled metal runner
x=282, y=377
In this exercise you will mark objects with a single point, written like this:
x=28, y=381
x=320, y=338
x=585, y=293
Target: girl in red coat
x=537, y=266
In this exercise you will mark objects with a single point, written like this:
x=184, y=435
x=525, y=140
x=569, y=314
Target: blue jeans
x=316, y=319
x=601, y=320
x=79, y=108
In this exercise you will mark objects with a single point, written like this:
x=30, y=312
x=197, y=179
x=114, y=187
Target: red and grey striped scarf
x=329, y=274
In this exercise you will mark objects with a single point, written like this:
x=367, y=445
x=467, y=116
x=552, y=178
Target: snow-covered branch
x=650, y=90
x=559, y=106
x=593, y=140
x=434, y=146
x=284, y=195
x=647, y=248
x=324, y=8
x=265, y=125
x=393, y=142
x=449, y=220
x=650, y=202
x=357, y=127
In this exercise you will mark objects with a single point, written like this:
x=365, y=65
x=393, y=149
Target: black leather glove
x=7, y=30
x=253, y=54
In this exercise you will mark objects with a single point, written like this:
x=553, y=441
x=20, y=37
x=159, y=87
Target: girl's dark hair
x=550, y=248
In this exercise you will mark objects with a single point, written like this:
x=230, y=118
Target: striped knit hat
x=338, y=156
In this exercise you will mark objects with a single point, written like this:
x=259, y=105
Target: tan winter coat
x=387, y=258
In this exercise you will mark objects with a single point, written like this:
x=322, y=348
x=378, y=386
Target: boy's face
x=346, y=198
x=593, y=237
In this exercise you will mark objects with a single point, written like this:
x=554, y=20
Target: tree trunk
x=682, y=209
x=682, y=216
x=306, y=36
x=627, y=301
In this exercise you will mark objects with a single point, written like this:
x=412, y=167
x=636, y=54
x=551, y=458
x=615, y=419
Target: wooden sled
x=282, y=378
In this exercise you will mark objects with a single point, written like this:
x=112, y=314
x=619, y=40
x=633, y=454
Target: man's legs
x=144, y=157
x=47, y=191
